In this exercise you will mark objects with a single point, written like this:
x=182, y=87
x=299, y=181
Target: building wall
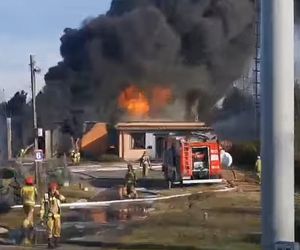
x=95, y=141
x=134, y=154
x=151, y=142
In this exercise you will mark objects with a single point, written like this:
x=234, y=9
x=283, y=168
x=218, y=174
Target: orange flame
x=161, y=96
x=134, y=101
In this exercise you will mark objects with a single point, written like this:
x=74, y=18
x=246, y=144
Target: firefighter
x=29, y=197
x=258, y=168
x=145, y=163
x=22, y=153
x=50, y=213
x=130, y=182
x=75, y=155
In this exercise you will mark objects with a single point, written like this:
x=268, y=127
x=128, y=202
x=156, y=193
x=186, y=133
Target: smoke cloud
x=194, y=47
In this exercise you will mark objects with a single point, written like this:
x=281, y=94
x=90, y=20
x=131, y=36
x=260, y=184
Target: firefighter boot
x=27, y=238
x=56, y=241
x=50, y=243
x=145, y=170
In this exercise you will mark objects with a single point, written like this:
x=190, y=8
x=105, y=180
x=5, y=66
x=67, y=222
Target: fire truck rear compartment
x=200, y=163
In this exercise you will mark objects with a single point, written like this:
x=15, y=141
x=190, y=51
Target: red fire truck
x=194, y=158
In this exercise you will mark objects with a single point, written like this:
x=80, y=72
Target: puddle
x=87, y=222
x=81, y=222
x=115, y=193
x=112, y=214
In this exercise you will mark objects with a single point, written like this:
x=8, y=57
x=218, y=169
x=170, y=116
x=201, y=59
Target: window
x=138, y=141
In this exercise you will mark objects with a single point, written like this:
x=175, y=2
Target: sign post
x=39, y=157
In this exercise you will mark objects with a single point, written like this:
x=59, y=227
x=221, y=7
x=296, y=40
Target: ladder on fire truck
x=187, y=156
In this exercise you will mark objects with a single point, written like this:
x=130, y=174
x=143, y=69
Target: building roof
x=162, y=126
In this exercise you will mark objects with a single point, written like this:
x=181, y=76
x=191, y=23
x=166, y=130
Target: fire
x=161, y=97
x=134, y=101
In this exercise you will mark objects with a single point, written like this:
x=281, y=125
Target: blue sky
x=35, y=27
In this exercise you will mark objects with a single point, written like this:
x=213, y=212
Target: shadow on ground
x=136, y=246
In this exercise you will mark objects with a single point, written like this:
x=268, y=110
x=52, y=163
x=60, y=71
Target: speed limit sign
x=39, y=155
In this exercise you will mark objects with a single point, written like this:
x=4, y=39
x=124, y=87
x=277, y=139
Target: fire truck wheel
x=173, y=179
x=181, y=184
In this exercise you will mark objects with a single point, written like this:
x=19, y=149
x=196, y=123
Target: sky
x=35, y=27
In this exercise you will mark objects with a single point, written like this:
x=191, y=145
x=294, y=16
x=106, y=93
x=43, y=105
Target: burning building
x=136, y=103
x=137, y=137
x=146, y=59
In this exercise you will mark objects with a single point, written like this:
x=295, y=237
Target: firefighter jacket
x=145, y=160
x=130, y=178
x=50, y=206
x=29, y=195
x=258, y=166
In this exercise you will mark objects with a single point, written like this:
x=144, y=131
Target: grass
x=74, y=193
x=233, y=222
x=181, y=223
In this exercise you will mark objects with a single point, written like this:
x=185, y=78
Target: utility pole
x=33, y=70
x=9, y=138
x=277, y=123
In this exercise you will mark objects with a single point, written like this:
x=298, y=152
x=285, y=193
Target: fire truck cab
x=194, y=158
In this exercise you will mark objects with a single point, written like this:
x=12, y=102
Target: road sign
x=40, y=132
x=39, y=155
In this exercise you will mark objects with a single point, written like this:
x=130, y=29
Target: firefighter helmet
x=53, y=186
x=129, y=166
x=29, y=180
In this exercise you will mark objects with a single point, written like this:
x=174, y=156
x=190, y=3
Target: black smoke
x=195, y=47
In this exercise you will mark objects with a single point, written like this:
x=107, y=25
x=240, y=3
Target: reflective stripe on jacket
x=50, y=206
x=29, y=195
x=258, y=166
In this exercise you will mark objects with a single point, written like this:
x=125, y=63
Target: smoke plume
x=194, y=47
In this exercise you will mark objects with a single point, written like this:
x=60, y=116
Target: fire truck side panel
x=186, y=161
x=213, y=158
x=215, y=162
